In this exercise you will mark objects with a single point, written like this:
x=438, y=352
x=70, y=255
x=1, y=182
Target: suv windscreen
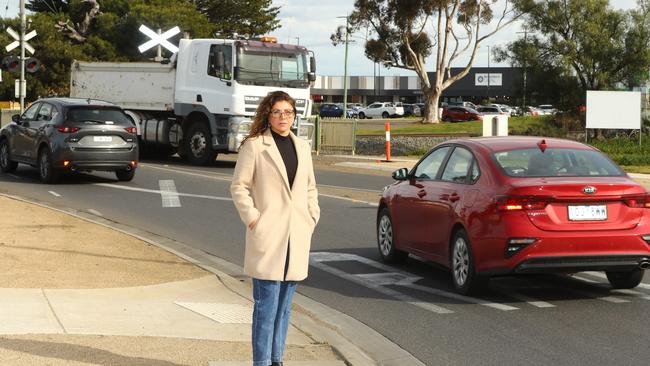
x=97, y=115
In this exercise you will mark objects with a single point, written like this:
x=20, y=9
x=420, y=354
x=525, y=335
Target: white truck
x=201, y=102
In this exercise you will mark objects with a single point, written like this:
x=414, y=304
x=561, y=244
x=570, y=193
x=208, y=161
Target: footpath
x=76, y=289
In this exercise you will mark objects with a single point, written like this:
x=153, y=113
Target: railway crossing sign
x=16, y=41
x=158, y=39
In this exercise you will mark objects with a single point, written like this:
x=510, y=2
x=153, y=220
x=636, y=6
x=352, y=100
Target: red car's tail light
x=131, y=129
x=514, y=203
x=642, y=201
x=64, y=129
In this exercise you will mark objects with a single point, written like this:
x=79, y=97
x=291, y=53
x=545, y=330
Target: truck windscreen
x=272, y=68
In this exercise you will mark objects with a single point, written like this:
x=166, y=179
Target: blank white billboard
x=614, y=109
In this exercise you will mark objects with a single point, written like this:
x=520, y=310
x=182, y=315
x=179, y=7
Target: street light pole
x=345, y=65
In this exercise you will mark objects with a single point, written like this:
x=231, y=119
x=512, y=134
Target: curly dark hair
x=261, y=119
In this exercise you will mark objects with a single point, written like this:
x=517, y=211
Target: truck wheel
x=198, y=145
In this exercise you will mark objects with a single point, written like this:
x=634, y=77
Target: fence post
x=354, y=136
x=387, y=140
x=317, y=132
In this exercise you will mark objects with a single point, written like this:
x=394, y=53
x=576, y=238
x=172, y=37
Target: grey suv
x=65, y=134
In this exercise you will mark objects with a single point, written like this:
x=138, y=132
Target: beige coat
x=260, y=190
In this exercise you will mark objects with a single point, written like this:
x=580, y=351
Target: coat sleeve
x=312, y=191
x=242, y=184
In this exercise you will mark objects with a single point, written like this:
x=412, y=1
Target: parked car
x=463, y=104
x=381, y=109
x=411, y=110
x=422, y=107
x=331, y=110
x=460, y=113
x=59, y=135
x=508, y=205
x=547, y=109
x=493, y=109
x=504, y=108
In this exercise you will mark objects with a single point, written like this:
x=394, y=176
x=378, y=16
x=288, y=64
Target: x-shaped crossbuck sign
x=159, y=39
x=16, y=43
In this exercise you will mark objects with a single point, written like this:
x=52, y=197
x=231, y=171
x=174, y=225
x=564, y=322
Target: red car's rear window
x=555, y=163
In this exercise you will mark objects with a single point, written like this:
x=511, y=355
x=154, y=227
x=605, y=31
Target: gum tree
x=404, y=33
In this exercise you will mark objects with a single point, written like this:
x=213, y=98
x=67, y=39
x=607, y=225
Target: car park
x=59, y=135
x=495, y=206
x=454, y=113
x=381, y=109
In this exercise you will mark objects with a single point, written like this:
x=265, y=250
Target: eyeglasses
x=285, y=113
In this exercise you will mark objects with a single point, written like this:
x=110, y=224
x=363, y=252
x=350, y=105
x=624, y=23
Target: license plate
x=102, y=138
x=588, y=213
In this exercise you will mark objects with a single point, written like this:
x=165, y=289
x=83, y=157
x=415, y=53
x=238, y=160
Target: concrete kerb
x=318, y=321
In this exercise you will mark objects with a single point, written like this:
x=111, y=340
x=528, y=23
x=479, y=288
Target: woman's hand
x=252, y=224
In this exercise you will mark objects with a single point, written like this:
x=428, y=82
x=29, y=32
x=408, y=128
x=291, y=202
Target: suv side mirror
x=15, y=118
x=401, y=174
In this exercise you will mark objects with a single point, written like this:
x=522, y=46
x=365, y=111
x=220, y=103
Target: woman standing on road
x=274, y=191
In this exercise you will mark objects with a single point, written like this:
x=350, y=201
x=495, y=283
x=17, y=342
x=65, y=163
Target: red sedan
x=460, y=113
x=506, y=205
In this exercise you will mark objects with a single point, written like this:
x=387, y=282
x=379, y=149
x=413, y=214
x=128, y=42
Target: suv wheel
x=362, y=115
x=6, y=165
x=198, y=145
x=125, y=175
x=385, y=115
x=46, y=171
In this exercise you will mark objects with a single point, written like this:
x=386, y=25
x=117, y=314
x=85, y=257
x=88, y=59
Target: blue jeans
x=271, y=313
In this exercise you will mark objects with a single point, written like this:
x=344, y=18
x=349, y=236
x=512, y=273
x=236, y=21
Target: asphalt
x=80, y=290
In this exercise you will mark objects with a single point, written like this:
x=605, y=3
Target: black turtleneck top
x=288, y=153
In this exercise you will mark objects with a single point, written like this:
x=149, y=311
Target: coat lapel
x=300, y=156
x=274, y=153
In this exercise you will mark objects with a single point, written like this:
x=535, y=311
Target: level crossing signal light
x=32, y=65
x=12, y=64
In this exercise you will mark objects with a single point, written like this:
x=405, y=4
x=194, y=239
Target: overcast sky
x=314, y=21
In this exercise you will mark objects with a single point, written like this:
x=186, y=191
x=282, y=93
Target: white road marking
x=393, y=277
x=521, y=297
x=95, y=212
x=160, y=192
x=612, y=299
x=602, y=275
x=382, y=289
x=169, y=194
x=54, y=194
x=228, y=178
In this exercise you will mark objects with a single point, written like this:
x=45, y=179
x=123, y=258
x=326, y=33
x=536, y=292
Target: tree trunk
x=432, y=112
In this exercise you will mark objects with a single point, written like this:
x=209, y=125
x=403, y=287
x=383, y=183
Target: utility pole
x=23, y=26
x=488, y=77
x=525, y=32
x=345, y=66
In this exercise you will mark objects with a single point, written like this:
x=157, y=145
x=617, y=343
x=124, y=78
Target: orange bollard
x=387, y=140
